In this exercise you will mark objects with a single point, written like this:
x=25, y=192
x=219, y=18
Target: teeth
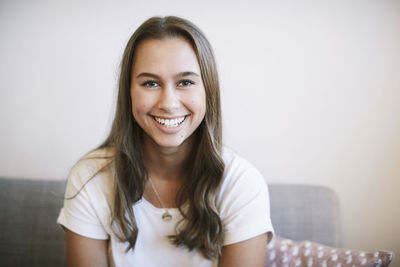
x=170, y=123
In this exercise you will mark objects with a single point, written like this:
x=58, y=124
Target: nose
x=168, y=99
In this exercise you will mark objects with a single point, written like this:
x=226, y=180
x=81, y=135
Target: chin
x=169, y=143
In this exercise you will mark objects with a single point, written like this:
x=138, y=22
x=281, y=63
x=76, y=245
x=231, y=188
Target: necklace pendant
x=166, y=216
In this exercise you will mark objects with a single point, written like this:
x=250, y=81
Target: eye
x=185, y=83
x=150, y=83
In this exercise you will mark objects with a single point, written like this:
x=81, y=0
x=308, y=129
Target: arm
x=85, y=252
x=249, y=253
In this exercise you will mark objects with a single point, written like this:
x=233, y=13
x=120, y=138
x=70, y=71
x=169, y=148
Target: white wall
x=311, y=92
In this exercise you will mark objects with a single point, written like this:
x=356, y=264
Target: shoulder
x=241, y=181
x=239, y=170
x=243, y=200
x=95, y=165
x=88, y=195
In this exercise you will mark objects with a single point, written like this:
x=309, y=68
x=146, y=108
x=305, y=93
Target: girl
x=162, y=190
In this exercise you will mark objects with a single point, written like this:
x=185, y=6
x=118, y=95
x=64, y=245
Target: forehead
x=164, y=56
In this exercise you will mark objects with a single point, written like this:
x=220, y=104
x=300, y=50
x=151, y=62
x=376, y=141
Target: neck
x=166, y=162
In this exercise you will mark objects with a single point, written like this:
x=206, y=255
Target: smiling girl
x=162, y=190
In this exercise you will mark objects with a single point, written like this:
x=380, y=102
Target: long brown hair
x=201, y=226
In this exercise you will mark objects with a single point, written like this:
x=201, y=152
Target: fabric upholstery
x=29, y=235
x=305, y=212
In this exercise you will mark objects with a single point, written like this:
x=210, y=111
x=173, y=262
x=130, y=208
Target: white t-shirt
x=243, y=205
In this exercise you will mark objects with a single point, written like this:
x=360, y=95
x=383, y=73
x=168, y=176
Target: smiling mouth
x=170, y=122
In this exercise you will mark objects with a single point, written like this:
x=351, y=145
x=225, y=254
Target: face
x=167, y=92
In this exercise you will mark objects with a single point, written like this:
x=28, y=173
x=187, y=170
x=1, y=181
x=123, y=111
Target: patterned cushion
x=283, y=252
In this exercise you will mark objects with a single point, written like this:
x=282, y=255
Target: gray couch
x=29, y=234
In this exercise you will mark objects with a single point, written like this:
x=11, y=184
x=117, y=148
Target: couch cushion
x=29, y=233
x=305, y=212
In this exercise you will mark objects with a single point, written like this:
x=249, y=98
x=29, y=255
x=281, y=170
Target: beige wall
x=311, y=92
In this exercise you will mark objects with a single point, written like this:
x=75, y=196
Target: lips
x=171, y=123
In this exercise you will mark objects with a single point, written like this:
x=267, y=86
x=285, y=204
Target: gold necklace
x=166, y=217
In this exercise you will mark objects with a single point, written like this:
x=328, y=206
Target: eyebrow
x=179, y=75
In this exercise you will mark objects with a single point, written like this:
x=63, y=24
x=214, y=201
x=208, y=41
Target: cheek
x=140, y=104
x=198, y=105
x=139, y=109
x=203, y=104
